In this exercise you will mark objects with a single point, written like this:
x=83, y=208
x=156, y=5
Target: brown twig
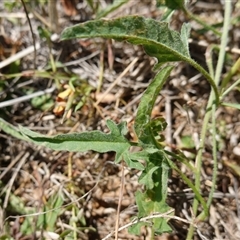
x=53, y=15
x=145, y=219
x=31, y=29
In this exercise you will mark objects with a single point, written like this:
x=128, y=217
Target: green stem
x=182, y=159
x=230, y=74
x=210, y=106
x=207, y=76
x=209, y=61
x=198, y=163
x=201, y=22
x=31, y=73
x=191, y=185
x=224, y=40
x=214, y=151
x=231, y=87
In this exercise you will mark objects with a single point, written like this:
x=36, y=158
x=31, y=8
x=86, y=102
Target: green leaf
x=81, y=142
x=173, y=4
x=156, y=37
x=43, y=102
x=136, y=228
x=46, y=221
x=157, y=169
x=147, y=178
x=132, y=163
x=185, y=32
x=49, y=219
x=142, y=124
x=153, y=200
x=232, y=105
x=147, y=206
x=187, y=142
x=157, y=125
x=11, y=130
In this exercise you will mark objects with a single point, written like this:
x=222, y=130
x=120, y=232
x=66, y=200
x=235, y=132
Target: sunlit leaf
x=85, y=141
x=156, y=37
x=142, y=124
x=232, y=105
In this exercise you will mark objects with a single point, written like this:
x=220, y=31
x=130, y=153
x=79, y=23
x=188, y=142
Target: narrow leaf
x=232, y=105
x=81, y=142
x=149, y=97
x=156, y=37
x=11, y=130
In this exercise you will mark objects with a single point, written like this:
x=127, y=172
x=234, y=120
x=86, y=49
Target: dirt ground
x=86, y=186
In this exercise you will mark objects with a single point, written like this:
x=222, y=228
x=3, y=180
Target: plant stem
x=198, y=163
x=209, y=61
x=201, y=22
x=214, y=152
x=224, y=40
x=206, y=75
x=31, y=30
x=53, y=15
x=231, y=87
x=191, y=185
x=210, y=106
x=235, y=68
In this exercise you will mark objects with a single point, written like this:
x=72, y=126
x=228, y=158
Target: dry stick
x=53, y=15
x=26, y=98
x=41, y=19
x=100, y=79
x=10, y=166
x=145, y=219
x=19, y=55
x=14, y=15
x=201, y=235
x=78, y=61
x=26, y=155
x=117, y=80
x=235, y=185
x=119, y=203
x=136, y=99
x=63, y=206
x=205, y=44
x=30, y=25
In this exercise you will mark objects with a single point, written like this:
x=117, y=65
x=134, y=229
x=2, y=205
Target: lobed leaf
x=153, y=200
x=81, y=142
x=147, y=207
x=156, y=37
